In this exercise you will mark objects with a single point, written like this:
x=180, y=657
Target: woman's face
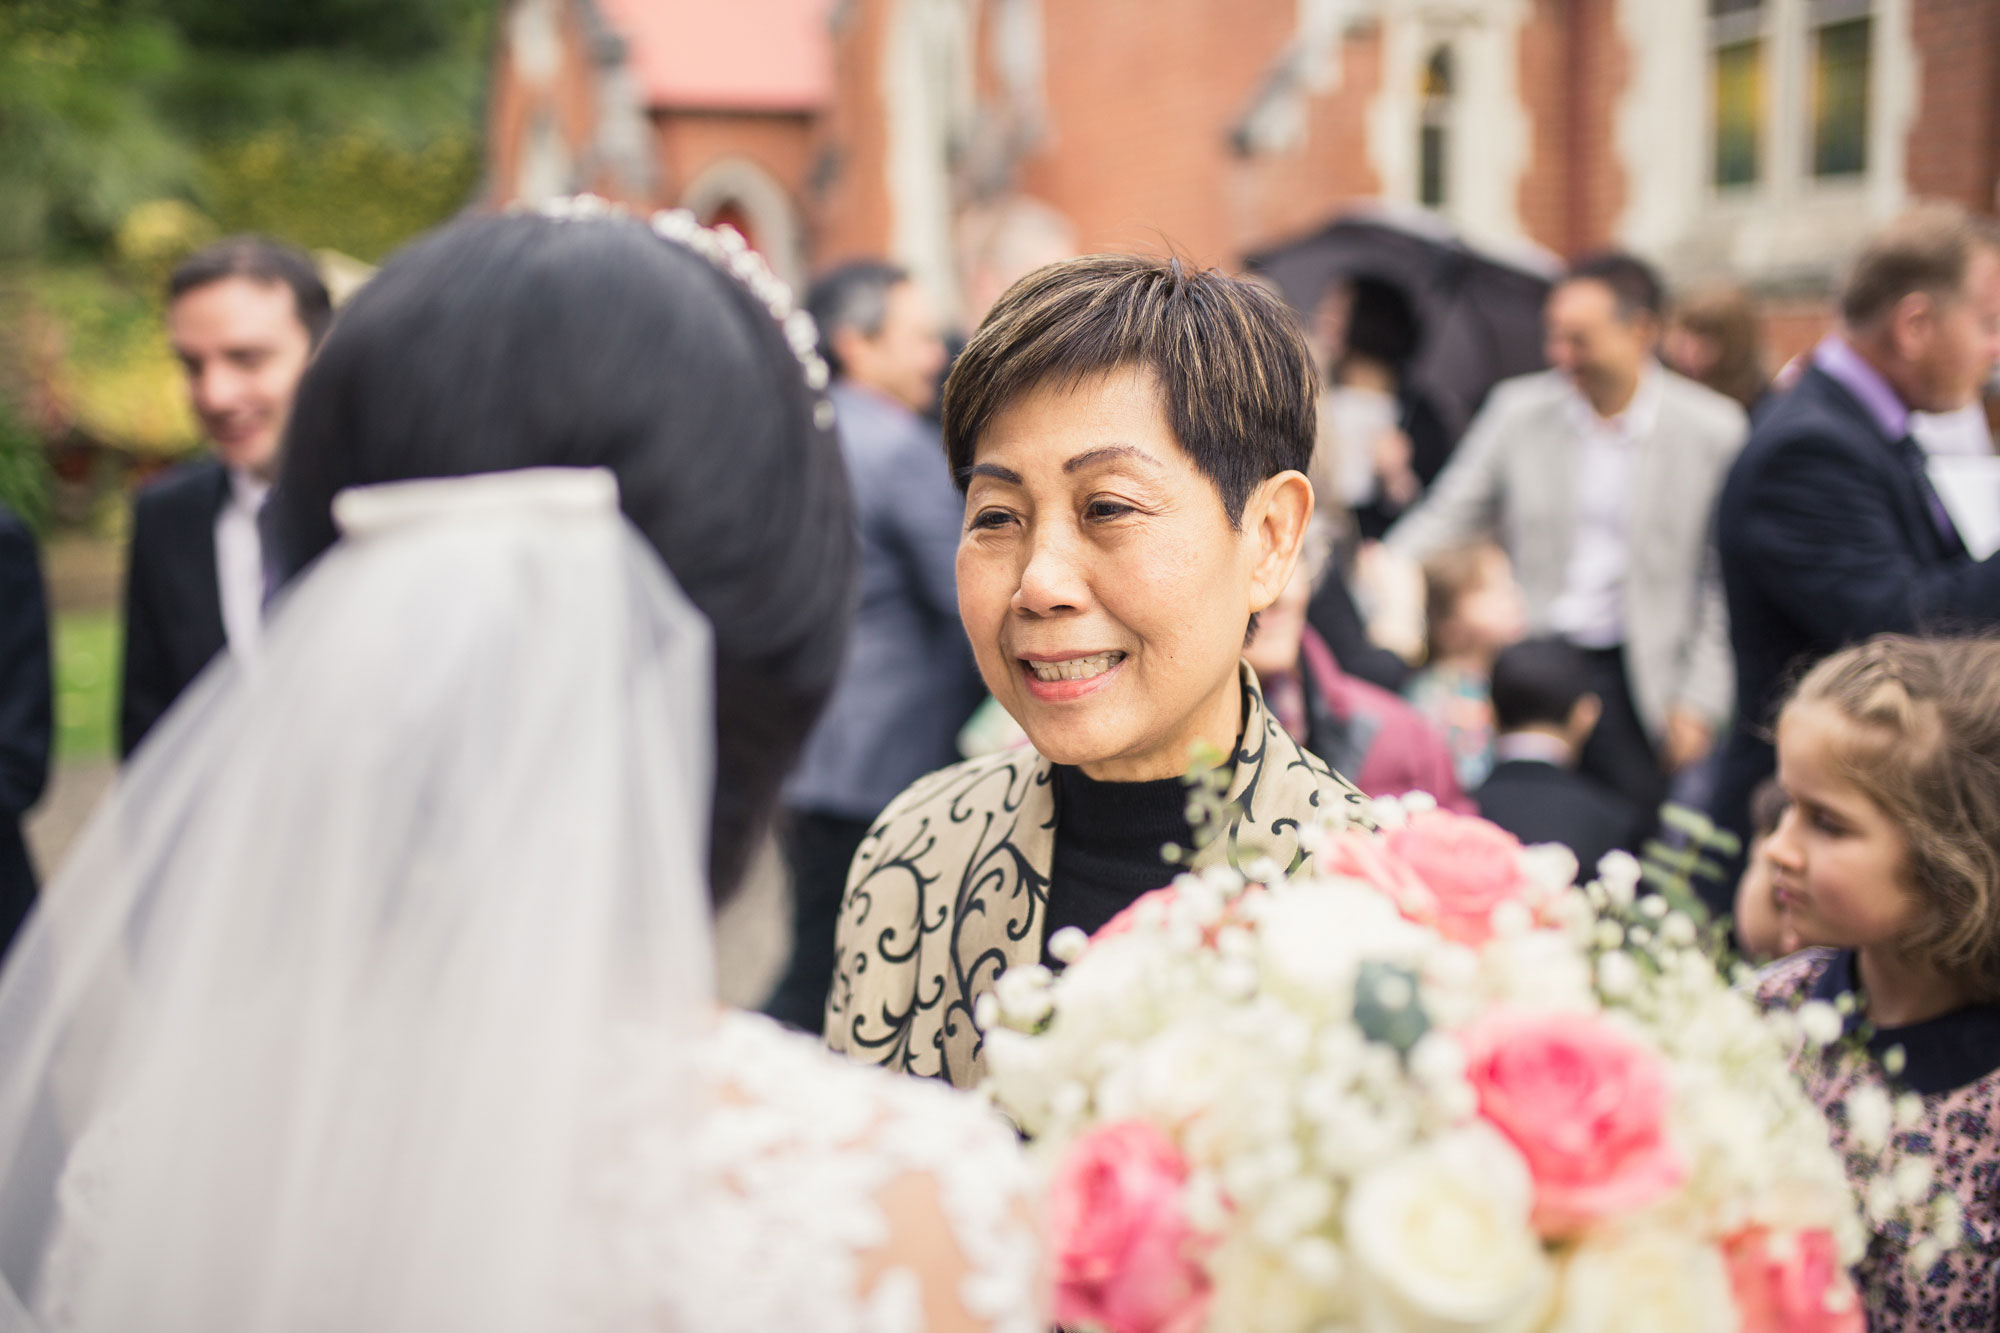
x=1102, y=586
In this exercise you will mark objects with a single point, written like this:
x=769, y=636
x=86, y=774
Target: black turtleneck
x=1109, y=837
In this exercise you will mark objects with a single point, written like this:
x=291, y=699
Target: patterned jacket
x=950, y=888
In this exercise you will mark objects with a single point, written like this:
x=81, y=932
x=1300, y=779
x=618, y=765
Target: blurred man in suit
x=1828, y=528
x=243, y=317
x=909, y=682
x=1544, y=713
x=1599, y=478
x=27, y=713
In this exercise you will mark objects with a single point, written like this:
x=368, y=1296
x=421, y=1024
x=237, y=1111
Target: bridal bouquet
x=1431, y=1084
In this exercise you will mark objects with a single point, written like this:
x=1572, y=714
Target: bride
x=379, y=997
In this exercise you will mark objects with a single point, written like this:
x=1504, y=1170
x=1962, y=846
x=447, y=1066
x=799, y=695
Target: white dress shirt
x=1591, y=609
x=239, y=562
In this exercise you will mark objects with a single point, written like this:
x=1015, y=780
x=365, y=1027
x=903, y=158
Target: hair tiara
x=725, y=248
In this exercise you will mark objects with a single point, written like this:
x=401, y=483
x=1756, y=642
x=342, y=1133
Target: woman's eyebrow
x=1110, y=453
x=993, y=470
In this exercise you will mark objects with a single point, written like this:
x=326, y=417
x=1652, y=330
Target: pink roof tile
x=750, y=55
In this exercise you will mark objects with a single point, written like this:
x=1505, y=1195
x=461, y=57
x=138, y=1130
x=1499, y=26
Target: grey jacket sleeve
x=1463, y=505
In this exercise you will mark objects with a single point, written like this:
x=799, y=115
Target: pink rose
x=1584, y=1103
x=1368, y=857
x=1126, y=1260
x=1791, y=1284
x=1470, y=867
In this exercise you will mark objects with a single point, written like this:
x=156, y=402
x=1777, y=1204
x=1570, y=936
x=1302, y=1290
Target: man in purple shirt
x=1828, y=529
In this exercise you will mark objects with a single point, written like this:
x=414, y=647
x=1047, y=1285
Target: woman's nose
x=1052, y=582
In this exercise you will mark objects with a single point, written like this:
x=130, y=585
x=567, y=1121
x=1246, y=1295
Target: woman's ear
x=1274, y=522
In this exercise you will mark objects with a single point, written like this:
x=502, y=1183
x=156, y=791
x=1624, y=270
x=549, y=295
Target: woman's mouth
x=1058, y=680
x=1075, y=668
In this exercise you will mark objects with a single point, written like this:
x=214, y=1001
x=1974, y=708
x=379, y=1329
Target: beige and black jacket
x=950, y=888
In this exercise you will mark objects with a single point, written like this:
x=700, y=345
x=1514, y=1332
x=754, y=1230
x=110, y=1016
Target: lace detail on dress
x=791, y=1152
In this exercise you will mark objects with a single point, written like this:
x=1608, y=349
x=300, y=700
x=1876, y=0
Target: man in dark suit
x=243, y=317
x=1544, y=712
x=1828, y=529
x=908, y=682
x=27, y=714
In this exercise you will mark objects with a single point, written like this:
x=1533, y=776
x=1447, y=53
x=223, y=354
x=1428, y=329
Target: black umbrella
x=1481, y=316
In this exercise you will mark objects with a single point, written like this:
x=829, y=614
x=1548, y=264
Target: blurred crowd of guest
x=1559, y=598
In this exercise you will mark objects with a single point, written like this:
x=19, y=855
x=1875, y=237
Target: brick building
x=1758, y=139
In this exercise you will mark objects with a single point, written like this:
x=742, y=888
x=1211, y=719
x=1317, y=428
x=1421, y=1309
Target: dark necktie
x=267, y=553
x=1912, y=456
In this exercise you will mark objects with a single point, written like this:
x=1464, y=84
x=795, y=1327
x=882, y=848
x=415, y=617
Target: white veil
x=304, y=1034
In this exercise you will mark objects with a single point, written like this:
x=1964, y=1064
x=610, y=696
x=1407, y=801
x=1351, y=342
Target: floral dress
x=1953, y=1064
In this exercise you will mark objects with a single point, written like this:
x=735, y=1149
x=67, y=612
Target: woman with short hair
x=1132, y=437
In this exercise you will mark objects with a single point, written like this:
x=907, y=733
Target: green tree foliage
x=360, y=193
x=106, y=105
x=395, y=29
x=133, y=130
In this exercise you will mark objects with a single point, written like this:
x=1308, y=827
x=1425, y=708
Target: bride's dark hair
x=510, y=342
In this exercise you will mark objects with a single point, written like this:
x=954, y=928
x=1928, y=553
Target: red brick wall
x=850, y=217
x=1574, y=67
x=1142, y=95
x=511, y=106
x=686, y=143
x=1274, y=197
x=1954, y=147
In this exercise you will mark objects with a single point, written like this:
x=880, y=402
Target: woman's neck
x=1901, y=990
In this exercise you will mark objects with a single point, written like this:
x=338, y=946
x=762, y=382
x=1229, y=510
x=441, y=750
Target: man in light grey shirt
x=1599, y=478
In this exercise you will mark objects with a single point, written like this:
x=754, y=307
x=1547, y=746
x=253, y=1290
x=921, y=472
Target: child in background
x=1472, y=610
x=1762, y=932
x=1888, y=859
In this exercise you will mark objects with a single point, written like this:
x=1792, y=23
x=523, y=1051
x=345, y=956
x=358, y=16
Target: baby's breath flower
x=1909, y=1106
x=1820, y=1022
x=1893, y=1061
x=1067, y=945
x=1913, y=1179
x=1868, y=1117
x=1617, y=975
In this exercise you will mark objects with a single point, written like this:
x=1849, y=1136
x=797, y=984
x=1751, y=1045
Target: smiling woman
x=1132, y=436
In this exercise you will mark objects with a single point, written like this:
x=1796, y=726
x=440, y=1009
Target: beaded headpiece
x=725, y=248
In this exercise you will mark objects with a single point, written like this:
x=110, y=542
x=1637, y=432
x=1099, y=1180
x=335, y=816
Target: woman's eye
x=990, y=518
x=1103, y=509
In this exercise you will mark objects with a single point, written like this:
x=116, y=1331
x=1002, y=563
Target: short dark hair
x=853, y=296
x=1537, y=683
x=510, y=342
x=1927, y=249
x=260, y=259
x=1235, y=375
x=1635, y=287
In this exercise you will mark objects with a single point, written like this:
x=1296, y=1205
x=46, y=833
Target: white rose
x=1439, y=1239
x=1637, y=1282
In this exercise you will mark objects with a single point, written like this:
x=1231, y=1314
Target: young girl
x=1888, y=859
x=1472, y=608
